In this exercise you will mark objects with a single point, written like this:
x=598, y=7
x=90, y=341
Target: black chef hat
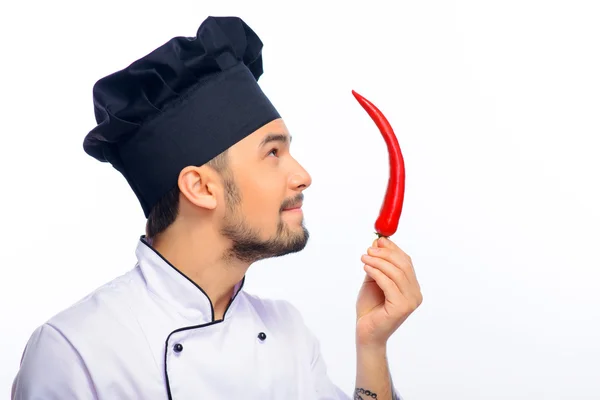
x=182, y=104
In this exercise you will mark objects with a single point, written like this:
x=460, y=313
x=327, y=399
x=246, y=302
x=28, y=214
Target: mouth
x=297, y=207
x=294, y=205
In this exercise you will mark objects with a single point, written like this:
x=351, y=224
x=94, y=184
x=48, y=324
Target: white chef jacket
x=151, y=334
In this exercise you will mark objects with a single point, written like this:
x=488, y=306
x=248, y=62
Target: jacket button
x=178, y=347
x=262, y=336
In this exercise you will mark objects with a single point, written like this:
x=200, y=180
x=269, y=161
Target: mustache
x=293, y=201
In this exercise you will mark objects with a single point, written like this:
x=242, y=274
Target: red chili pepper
x=391, y=209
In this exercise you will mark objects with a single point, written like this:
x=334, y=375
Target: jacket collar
x=171, y=285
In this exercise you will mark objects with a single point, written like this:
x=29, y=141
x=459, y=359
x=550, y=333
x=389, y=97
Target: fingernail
x=374, y=249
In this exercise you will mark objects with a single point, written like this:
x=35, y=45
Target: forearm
x=373, y=379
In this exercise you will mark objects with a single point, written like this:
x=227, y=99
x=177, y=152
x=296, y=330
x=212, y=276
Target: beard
x=247, y=245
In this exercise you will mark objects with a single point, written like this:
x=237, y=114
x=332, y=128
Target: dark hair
x=164, y=213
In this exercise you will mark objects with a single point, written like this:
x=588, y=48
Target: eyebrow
x=275, y=137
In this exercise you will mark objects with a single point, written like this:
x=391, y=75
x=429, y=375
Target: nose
x=300, y=178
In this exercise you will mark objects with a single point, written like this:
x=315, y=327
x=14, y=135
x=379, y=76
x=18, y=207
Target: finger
x=392, y=272
x=389, y=288
x=368, y=278
x=386, y=242
x=397, y=259
x=389, y=244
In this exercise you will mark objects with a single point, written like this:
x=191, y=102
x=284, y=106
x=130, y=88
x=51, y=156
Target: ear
x=200, y=186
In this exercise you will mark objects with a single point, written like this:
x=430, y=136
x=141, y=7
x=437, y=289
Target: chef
x=208, y=157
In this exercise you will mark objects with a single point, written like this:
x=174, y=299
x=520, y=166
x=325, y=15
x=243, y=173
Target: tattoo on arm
x=367, y=393
x=360, y=392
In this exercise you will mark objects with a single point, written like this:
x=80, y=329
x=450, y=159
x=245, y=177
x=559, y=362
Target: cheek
x=262, y=196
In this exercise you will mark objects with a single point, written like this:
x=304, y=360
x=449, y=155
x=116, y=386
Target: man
x=208, y=157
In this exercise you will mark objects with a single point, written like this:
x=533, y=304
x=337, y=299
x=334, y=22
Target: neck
x=200, y=255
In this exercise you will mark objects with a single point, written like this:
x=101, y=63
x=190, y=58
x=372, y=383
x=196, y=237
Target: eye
x=274, y=150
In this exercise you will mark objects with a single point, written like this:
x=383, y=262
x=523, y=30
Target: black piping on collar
x=212, y=309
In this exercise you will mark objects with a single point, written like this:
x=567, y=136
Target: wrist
x=371, y=350
x=372, y=372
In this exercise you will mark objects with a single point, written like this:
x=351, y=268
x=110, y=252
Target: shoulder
x=109, y=302
x=88, y=322
x=51, y=368
x=58, y=352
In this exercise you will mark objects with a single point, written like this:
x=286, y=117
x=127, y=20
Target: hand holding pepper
x=389, y=294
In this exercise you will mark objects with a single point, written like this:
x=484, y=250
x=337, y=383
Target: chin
x=299, y=239
x=250, y=246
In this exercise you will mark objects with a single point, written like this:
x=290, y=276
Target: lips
x=294, y=207
x=294, y=204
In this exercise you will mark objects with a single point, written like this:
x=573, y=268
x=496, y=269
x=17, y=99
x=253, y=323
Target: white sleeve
x=51, y=369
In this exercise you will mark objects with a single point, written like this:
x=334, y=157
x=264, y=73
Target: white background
x=495, y=105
